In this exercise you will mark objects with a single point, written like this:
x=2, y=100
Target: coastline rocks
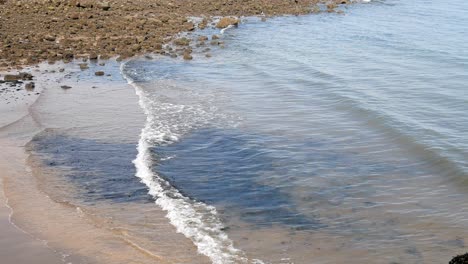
x=227, y=21
x=39, y=30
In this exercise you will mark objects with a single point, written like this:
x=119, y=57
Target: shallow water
x=344, y=135
x=314, y=139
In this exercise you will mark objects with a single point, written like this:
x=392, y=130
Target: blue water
x=348, y=125
x=319, y=139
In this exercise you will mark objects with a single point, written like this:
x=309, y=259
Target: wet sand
x=18, y=247
x=43, y=202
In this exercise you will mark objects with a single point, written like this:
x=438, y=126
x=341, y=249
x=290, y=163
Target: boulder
x=99, y=73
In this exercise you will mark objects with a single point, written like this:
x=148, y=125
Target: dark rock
x=65, y=87
x=25, y=76
x=84, y=66
x=99, y=73
x=460, y=259
x=93, y=56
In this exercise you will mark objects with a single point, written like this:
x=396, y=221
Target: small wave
x=196, y=220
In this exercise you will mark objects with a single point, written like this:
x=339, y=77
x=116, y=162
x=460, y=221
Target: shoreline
x=91, y=29
x=30, y=186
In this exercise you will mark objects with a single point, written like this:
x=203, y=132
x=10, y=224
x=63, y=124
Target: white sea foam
x=196, y=220
x=226, y=28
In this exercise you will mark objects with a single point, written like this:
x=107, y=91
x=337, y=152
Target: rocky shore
x=33, y=31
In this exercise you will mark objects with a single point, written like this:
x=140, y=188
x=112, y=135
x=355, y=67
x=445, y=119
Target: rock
x=214, y=37
x=30, y=86
x=214, y=42
x=93, y=56
x=202, y=38
x=227, y=21
x=25, y=76
x=189, y=26
x=208, y=55
x=182, y=41
x=17, y=77
x=331, y=7
x=104, y=6
x=203, y=23
x=61, y=70
x=68, y=56
x=49, y=38
x=460, y=259
x=187, y=56
x=99, y=73
x=11, y=78
x=65, y=87
x=74, y=16
x=85, y=3
x=83, y=66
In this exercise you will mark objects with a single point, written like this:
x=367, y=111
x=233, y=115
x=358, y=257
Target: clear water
x=324, y=138
x=318, y=139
